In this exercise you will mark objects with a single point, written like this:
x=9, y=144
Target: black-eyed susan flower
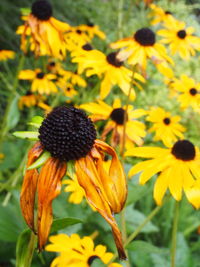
x=29, y=100
x=166, y=127
x=73, y=78
x=158, y=14
x=193, y=194
x=41, y=82
x=109, y=68
x=67, y=134
x=77, y=193
x=66, y=87
x=75, y=38
x=46, y=33
x=6, y=54
x=141, y=46
x=178, y=168
x=115, y=115
x=187, y=91
x=75, y=251
x=92, y=30
x=180, y=39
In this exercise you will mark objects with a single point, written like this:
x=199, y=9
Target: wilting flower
x=6, y=54
x=180, y=39
x=158, y=14
x=141, y=46
x=28, y=100
x=42, y=32
x=178, y=168
x=115, y=115
x=166, y=127
x=92, y=30
x=75, y=251
x=41, y=82
x=188, y=91
x=110, y=68
x=68, y=135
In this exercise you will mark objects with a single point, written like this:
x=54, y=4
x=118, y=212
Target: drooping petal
x=89, y=179
x=49, y=186
x=27, y=196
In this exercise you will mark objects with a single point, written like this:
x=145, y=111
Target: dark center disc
x=42, y=10
x=184, y=150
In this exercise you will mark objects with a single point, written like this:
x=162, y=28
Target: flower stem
x=174, y=234
x=31, y=248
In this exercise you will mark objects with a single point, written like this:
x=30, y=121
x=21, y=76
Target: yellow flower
x=110, y=68
x=2, y=156
x=166, y=127
x=77, y=192
x=77, y=252
x=115, y=115
x=75, y=38
x=158, y=14
x=92, y=30
x=46, y=32
x=29, y=100
x=193, y=194
x=188, y=91
x=178, y=168
x=74, y=78
x=67, y=134
x=6, y=54
x=67, y=88
x=180, y=39
x=41, y=82
x=141, y=46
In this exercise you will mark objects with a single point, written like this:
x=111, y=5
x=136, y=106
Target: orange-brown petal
x=49, y=187
x=27, y=196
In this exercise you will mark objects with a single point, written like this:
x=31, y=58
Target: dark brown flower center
x=145, y=37
x=168, y=12
x=90, y=24
x=91, y=259
x=52, y=64
x=118, y=115
x=181, y=34
x=112, y=59
x=184, y=150
x=78, y=31
x=40, y=75
x=193, y=91
x=87, y=47
x=166, y=121
x=42, y=10
x=67, y=133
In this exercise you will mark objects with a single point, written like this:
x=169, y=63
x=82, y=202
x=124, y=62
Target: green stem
x=120, y=15
x=174, y=234
x=30, y=252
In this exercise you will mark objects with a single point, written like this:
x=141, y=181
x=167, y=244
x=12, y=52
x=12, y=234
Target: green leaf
x=36, y=121
x=40, y=161
x=22, y=249
x=143, y=246
x=27, y=134
x=59, y=224
x=13, y=114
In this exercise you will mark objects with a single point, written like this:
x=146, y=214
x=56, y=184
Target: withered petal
x=27, y=196
x=49, y=187
x=88, y=179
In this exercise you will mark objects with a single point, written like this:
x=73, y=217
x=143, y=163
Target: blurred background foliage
x=152, y=246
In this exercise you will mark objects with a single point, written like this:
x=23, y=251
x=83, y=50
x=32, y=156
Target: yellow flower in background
x=140, y=47
x=180, y=39
x=78, y=252
x=115, y=115
x=193, y=194
x=46, y=32
x=66, y=87
x=92, y=30
x=29, y=100
x=54, y=66
x=41, y=82
x=75, y=38
x=73, y=78
x=158, y=14
x=178, y=168
x=6, y=54
x=2, y=156
x=187, y=91
x=77, y=192
x=110, y=69
x=166, y=127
